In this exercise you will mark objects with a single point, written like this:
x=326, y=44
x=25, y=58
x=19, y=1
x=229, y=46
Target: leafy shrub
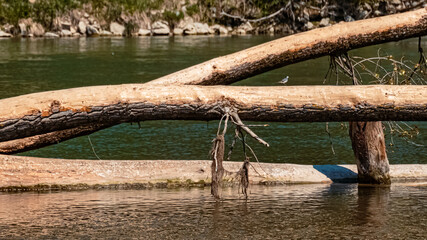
x=11, y=11
x=193, y=9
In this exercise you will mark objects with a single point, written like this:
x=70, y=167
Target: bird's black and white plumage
x=284, y=80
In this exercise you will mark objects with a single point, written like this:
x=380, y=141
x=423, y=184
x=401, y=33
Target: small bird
x=284, y=80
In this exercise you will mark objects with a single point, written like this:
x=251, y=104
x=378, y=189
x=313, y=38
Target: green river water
x=287, y=212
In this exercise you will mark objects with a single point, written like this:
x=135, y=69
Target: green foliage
x=45, y=11
x=193, y=9
x=173, y=16
x=129, y=6
x=13, y=10
x=112, y=9
x=130, y=27
x=267, y=7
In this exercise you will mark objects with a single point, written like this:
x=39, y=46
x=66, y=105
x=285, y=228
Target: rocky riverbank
x=191, y=18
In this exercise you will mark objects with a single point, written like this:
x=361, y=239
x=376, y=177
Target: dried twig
x=236, y=120
x=330, y=138
x=252, y=20
x=93, y=149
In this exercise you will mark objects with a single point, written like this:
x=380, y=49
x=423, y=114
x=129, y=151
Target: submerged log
x=44, y=140
x=368, y=144
x=319, y=42
x=46, y=112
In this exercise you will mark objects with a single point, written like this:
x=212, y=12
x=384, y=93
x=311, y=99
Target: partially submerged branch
x=44, y=140
x=218, y=153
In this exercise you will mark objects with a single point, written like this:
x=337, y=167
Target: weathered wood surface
x=367, y=139
x=45, y=112
x=28, y=173
x=299, y=47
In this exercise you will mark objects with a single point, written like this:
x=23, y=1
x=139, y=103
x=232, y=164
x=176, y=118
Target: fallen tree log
x=319, y=42
x=45, y=112
x=47, y=139
x=295, y=48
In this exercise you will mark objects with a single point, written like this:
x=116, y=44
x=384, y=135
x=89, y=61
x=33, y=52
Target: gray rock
x=377, y=13
x=189, y=29
x=91, y=30
x=66, y=26
x=324, y=22
x=160, y=28
x=178, y=31
x=218, y=29
x=82, y=27
x=363, y=14
x=223, y=30
x=348, y=18
x=105, y=33
x=201, y=28
x=144, y=32
x=23, y=29
x=66, y=33
x=162, y=31
x=3, y=34
x=51, y=34
x=241, y=31
x=73, y=30
x=245, y=27
x=396, y=2
x=117, y=29
x=37, y=29
x=309, y=26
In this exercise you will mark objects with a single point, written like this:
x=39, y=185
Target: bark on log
x=368, y=144
x=45, y=112
x=319, y=42
x=39, y=141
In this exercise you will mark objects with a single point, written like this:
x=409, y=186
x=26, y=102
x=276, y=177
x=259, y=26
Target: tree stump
x=368, y=144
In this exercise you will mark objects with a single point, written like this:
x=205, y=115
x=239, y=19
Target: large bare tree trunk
x=46, y=112
x=319, y=42
x=368, y=144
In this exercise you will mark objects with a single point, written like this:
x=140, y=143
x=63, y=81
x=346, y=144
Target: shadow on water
x=337, y=174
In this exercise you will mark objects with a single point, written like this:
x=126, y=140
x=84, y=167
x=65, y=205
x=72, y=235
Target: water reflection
x=372, y=204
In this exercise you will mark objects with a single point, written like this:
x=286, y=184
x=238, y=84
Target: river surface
x=34, y=65
x=289, y=212
x=277, y=212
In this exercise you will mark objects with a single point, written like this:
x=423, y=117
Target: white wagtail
x=284, y=80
